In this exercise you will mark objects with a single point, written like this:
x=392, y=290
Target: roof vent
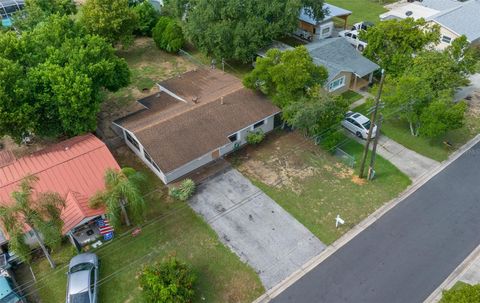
x=221, y=101
x=157, y=95
x=195, y=99
x=408, y=13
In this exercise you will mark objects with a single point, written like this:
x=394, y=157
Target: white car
x=353, y=39
x=358, y=124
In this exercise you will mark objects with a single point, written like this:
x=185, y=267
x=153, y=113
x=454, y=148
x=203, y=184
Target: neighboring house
x=455, y=18
x=157, y=4
x=7, y=8
x=75, y=169
x=194, y=119
x=312, y=29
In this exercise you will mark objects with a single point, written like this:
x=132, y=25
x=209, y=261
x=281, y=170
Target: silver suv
x=82, y=279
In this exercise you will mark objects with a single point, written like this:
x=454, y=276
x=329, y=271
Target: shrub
x=331, y=140
x=168, y=35
x=184, y=191
x=255, y=137
x=462, y=294
x=147, y=18
x=168, y=282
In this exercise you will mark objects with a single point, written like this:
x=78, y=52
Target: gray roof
x=330, y=12
x=337, y=55
x=463, y=19
x=275, y=44
x=440, y=5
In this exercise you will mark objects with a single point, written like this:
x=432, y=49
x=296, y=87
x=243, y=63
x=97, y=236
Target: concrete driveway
x=409, y=162
x=474, y=87
x=252, y=225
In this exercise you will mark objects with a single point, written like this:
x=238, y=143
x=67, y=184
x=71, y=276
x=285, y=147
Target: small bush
x=462, y=294
x=168, y=282
x=184, y=191
x=168, y=35
x=255, y=137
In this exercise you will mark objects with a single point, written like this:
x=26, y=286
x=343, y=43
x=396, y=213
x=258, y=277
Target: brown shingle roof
x=175, y=134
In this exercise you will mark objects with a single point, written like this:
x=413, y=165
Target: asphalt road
x=406, y=254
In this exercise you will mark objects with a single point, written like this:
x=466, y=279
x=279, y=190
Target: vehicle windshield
x=80, y=298
x=81, y=266
x=10, y=298
x=366, y=125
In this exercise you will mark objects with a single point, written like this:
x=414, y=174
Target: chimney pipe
x=221, y=101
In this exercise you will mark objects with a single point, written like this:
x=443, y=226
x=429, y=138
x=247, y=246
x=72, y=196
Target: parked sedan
x=82, y=279
x=358, y=124
x=353, y=38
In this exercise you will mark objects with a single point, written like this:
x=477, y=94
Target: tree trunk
x=44, y=249
x=124, y=212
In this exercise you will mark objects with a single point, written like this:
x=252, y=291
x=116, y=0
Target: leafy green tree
x=147, y=17
x=441, y=116
x=122, y=196
x=36, y=11
x=286, y=76
x=112, y=19
x=39, y=212
x=238, y=29
x=168, y=282
x=393, y=43
x=168, y=35
x=463, y=294
x=52, y=77
x=314, y=115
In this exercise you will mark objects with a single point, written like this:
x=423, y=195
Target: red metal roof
x=73, y=168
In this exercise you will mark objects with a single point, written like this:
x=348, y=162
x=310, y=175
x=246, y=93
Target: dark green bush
x=170, y=281
x=254, y=138
x=147, y=18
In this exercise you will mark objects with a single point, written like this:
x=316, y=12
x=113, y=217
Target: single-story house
x=73, y=168
x=347, y=68
x=313, y=29
x=192, y=120
x=455, y=18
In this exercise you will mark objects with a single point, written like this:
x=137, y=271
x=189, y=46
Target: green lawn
x=350, y=96
x=398, y=130
x=362, y=10
x=221, y=276
x=314, y=186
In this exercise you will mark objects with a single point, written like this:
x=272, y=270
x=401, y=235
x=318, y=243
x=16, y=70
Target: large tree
x=238, y=29
x=393, y=43
x=286, y=76
x=113, y=20
x=39, y=212
x=122, y=196
x=51, y=78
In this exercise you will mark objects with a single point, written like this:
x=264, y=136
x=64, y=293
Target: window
x=325, y=31
x=233, y=138
x=258, y=124
x=132, y=140
x=147, y=156
x=446, y=39
x=336, y=84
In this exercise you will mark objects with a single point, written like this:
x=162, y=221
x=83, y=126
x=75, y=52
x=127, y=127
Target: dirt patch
x=21, y=150
x=359, y=181
x=239, y=288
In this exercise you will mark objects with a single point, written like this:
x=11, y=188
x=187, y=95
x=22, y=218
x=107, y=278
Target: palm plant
x=41, y=215
x=122, y=195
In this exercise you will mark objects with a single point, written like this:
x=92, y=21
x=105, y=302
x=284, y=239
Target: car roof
x=5, y=288
x=359, y=118
x=78, y=282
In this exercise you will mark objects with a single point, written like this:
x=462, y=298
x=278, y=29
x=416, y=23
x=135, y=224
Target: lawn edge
x=331, y=249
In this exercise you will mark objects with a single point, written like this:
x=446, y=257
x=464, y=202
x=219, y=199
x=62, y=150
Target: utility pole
x=371, y=169
x=372, y=123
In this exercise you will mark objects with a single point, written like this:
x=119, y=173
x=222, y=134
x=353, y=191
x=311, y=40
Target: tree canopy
x=113, y=20
x=393, y=43
x=423, y=93
x=168, y=35
x=238, y=29
x=286, y=76
x=36, y=11
x=51, y=78
x=147, y=17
